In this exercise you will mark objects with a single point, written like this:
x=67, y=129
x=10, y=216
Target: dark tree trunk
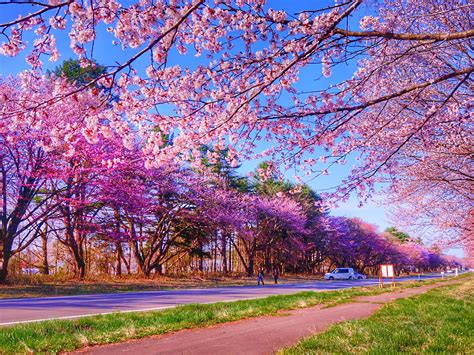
x=230, y=254
x=201, y=258
x=118, y=258
x=159, y=269
x=44, y=249
x=3, y=275
x=224, y=254
x=128, y=262
x=214, y=252
x=4, y=259
x=243, y=260
x=252, y=252
x=251, y=266
x=81, y=267
x=75, y=246
x=5, y=255
x=268, y=260
x=118, y=245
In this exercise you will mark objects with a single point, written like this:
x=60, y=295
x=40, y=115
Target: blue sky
x=107, y=54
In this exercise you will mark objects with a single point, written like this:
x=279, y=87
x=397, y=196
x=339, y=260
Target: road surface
x=23, y=310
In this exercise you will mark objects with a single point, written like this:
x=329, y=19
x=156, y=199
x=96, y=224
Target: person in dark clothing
x=276, y=275
x=260, y=276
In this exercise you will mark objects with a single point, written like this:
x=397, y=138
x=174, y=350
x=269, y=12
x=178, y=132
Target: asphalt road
x=22, y=310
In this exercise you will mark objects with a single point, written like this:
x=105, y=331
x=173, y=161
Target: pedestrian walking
x=276, y=275
x=260, y=276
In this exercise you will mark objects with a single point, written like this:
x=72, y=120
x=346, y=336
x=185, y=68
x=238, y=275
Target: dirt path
x=263, y=335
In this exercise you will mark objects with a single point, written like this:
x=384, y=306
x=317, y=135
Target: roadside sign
x=386, y=271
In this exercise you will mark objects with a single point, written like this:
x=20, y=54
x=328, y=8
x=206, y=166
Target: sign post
x=386, y=271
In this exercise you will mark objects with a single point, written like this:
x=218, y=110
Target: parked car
x=343, y=273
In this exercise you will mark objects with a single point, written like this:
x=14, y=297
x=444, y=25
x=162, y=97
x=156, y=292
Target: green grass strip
x=66, y=335
x=439, y=321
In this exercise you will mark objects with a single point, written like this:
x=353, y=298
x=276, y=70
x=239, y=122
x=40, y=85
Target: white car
x=342, y=273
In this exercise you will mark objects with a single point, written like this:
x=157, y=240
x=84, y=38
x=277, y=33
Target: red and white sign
x=387, y=270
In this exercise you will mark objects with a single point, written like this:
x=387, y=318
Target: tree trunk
x=139, y=259
x=4, y=259
x=77, y=253
x=224, y=254
x=128, y=262
x=44, y=249
x=146, y=272
x=251, y=264
x=81, y=267
x=118, y=245
x=118, y=258
x=201, y=263
x=3, y=275
x=268, y=260
x=214, y=252
x=159, y=269
x=241, y=257
x=201, y=258
x=230, y=254
x=79, y=260
x=5, y=254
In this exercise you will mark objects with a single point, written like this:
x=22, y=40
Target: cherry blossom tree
x=274, y=224
x=310, y=245
x=403, y=115
x=352, y=242
x=78, y=194
x=33, y=144
x=405, y=111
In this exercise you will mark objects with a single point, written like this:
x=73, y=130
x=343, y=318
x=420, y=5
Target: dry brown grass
x=463, y=291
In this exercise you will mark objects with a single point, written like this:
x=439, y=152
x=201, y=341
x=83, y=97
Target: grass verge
x=66, y=335
x=438, y=321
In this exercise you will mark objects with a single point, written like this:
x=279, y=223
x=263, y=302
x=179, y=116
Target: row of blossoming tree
x=403, y=112
x=74, y=186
